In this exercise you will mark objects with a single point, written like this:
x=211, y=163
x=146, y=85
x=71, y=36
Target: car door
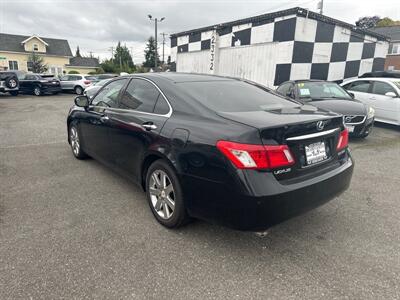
x=26, y=84
x=95, y=126
x=361, y=90
x=386, y=106
x=143, y=110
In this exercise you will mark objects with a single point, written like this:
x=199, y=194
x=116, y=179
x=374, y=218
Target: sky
x=97, y=25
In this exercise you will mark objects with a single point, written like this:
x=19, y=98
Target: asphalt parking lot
x=74, y=229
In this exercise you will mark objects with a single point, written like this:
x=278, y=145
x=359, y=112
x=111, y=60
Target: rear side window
x=140, y=95
x=381, y=88
x=359, y=86
x=234, y=96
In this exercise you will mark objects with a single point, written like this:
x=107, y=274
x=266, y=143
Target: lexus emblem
x=320, y=125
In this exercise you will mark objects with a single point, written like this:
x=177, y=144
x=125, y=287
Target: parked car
x=39, y=84
x=387, y=74
x=358, y=117
x=76, y=82
x=214, y=148
x=9, y=83
x=94, y=88
x=383, y=94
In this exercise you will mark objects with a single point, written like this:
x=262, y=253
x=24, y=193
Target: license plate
x=350, y=128
x=315, y=153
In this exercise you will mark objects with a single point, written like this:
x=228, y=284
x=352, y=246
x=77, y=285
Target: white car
x=382, y=94
x=76, y=82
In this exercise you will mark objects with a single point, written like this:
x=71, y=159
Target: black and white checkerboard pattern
x=308, y=48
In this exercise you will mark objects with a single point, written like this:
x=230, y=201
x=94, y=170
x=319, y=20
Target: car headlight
x=371, y=112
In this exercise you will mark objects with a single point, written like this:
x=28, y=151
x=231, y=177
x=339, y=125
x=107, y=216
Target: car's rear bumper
x=222, y=204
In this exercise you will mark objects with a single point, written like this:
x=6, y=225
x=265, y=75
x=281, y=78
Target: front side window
x=140, y=95
x=108, y=96
x=359, y=86
x=381, y=88
x=13, y=65
x=321, y=90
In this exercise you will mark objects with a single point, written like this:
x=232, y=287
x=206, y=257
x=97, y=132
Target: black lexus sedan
x=219, y=149
x=39, y=84
x=358, y=117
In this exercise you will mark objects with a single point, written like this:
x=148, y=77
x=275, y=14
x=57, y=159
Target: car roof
x=372, y=78
x=181, y=77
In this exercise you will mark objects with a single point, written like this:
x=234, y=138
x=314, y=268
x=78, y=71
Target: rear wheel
x=164, y=194
x=37, y=91
x=78, y=90
x=75, y=142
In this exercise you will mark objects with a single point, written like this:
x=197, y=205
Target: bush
x=73, y=72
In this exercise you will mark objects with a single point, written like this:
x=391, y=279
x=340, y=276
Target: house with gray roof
x=15, y=51
x=393, y=56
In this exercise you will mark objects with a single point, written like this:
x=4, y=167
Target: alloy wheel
x=162, y=194
x=74, y=138
x=36, y=91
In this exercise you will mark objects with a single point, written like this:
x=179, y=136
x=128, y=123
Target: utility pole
x=163, y=44
x=321, y=6
x=112, y=53
x=155, y=38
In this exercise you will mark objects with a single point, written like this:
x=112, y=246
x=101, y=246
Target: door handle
x=149, y=126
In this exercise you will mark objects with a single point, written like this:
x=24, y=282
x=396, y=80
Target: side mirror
x=391, y=94
x=82, y=101
x=351, y=95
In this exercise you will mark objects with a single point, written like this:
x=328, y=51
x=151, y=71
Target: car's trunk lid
x=301, y=128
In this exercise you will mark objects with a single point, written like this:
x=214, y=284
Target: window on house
x=13, y=65
x=396, y=49
x=29, y=66
x=35, y=47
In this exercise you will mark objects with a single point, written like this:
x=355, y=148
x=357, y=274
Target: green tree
x=150, y=53
x=368, y=22
x=123, y=59
x=78, y=52
x=37, y=64
x=387, y=22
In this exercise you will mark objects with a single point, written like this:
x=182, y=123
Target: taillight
x=87, y=82
x=247, y=156
x=343, y=140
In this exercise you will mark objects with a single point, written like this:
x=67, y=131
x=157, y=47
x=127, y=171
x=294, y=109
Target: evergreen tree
x=122, y=58
x=150, y=53
x=78, y=52
x=37, y=64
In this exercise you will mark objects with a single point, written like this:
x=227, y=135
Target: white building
x=275, y=47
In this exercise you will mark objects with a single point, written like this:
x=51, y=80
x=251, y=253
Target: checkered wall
x=306, y=48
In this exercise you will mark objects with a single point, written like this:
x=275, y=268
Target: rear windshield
x=234, y=96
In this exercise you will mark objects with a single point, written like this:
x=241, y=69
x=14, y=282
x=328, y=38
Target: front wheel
x=37, y=91
x=75, y=142
x=164, y=194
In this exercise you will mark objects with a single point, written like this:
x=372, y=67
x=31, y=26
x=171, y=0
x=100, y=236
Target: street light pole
x=155, y=38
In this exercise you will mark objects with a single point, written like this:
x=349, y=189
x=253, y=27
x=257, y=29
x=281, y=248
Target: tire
x=14, y=93
x=78, y=90
x=11, y=82
x=37, y=91
x=75, y=142
x=165, y=200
